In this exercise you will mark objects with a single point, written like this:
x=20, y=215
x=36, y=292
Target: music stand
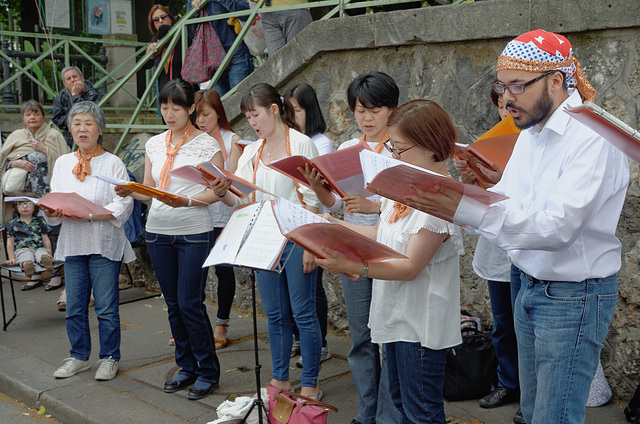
x=257, y=401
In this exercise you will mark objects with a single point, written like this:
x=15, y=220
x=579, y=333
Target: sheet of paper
x=18, y=198
x=111, y=180
x=264, y=244
x=290, y=216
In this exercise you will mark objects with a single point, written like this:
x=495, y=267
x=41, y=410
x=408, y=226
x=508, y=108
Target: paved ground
x=35, y=344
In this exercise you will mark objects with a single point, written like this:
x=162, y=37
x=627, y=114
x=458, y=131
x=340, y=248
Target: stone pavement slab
x=35, y=344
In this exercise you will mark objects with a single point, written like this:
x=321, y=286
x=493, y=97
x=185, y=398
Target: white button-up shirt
x=566, y=186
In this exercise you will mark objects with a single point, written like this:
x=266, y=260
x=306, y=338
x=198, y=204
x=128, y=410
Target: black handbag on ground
x=471, y=370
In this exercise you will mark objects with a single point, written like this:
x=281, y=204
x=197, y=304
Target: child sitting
x=28, y=241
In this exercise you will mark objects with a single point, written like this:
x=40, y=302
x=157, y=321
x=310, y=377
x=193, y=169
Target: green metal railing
x=111, y=84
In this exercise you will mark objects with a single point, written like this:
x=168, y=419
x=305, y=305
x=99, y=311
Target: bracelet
x=366, y=270
x=90, y=217
x=225, y=193
x=189, y=203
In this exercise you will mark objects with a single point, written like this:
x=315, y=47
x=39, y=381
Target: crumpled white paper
x=237, y=409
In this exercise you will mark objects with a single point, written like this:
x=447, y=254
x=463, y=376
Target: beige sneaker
x=107, y=369
x=71, y=367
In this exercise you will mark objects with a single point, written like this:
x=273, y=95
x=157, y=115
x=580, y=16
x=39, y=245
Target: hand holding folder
x=492, y=150
x=72, y=205
x=145, y=190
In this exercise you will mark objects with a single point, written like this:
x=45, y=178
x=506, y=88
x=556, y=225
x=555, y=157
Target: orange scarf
x=257, y=163
x=171, y=154
x=83, y=167
x=399, y=212
x=380, y=145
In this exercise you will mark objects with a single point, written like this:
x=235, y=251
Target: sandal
x=221, y=343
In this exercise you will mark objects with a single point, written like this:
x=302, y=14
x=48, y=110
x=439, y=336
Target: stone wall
x=448, y=54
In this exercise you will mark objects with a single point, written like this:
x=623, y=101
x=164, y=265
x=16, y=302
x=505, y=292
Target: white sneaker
x=326, y=354
x=71, y=367
x=107, y=369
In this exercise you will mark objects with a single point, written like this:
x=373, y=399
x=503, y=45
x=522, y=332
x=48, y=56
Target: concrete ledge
x=483, y=20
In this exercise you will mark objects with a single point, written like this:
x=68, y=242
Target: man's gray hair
x=68, y=68
x=87, y=107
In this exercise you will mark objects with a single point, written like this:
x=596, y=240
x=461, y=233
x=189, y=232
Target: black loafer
x=177, y=385
x=195, y=394
x=28, y=287
x=518, y=418
x=500, y=396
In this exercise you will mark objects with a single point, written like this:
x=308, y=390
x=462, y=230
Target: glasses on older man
x=395, y=153
x=516, y=88
x=160, y=18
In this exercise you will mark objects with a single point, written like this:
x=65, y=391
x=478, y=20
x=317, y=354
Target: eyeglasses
x=517, y=88
x=25, y=204
x=396, y=152
x=160, y=18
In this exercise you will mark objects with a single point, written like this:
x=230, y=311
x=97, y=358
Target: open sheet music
x=616, y=132
x=207, y=173
x=340, y=169
x=251, y=238
x=312, y=232
x=390, y=178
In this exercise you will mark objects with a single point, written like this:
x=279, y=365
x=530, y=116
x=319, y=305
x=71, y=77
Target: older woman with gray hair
x=92, y=246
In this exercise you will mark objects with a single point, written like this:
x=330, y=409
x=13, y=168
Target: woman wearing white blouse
x=415, y=305
x=93, y=246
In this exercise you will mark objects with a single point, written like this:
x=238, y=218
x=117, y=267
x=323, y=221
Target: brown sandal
x=221, y=343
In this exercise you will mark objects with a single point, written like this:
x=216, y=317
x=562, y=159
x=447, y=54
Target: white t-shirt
x=323, y=143
x=427, y=309
x=106, y=238
x=273, y=181
x=164, y=219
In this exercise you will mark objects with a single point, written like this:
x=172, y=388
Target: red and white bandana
x=542, y=51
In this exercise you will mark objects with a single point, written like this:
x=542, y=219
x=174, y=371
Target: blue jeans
x=376, y=405
x=296, y=291
x=226, y=287
x=504, y=334
x=83, y=273
x=561, y=327
x=240, y=67
x=177, y=262
x=515, y=285
x=416, y=381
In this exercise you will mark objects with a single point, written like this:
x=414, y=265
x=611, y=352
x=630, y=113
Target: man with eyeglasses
x=566, y=188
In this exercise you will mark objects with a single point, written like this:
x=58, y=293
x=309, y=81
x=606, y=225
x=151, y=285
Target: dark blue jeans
x=177, y=262
x=416, y=381
x=504, y=334
x=226, y=287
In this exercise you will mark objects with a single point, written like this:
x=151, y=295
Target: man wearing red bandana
x=566, y=188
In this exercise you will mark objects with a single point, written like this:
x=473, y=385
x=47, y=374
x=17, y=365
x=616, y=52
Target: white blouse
x=164, y=219
x=427, y=309
x=220, y=212
x=106, y=238
x=273, y=181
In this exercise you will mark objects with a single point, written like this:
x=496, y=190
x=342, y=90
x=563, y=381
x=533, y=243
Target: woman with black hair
x=179, y=237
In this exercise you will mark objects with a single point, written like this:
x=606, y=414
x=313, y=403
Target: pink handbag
x=204, y=55
x=286, y=407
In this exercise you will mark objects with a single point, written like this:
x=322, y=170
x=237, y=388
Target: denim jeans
x=296, y=291
x=515, y=285
x=83, y=273
x=561, y=327
x=240, y=67
x=376, y=405
x=504, y=334
x=416, y=381
x=177, y=262
x=322, y=309
x=226, y=287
